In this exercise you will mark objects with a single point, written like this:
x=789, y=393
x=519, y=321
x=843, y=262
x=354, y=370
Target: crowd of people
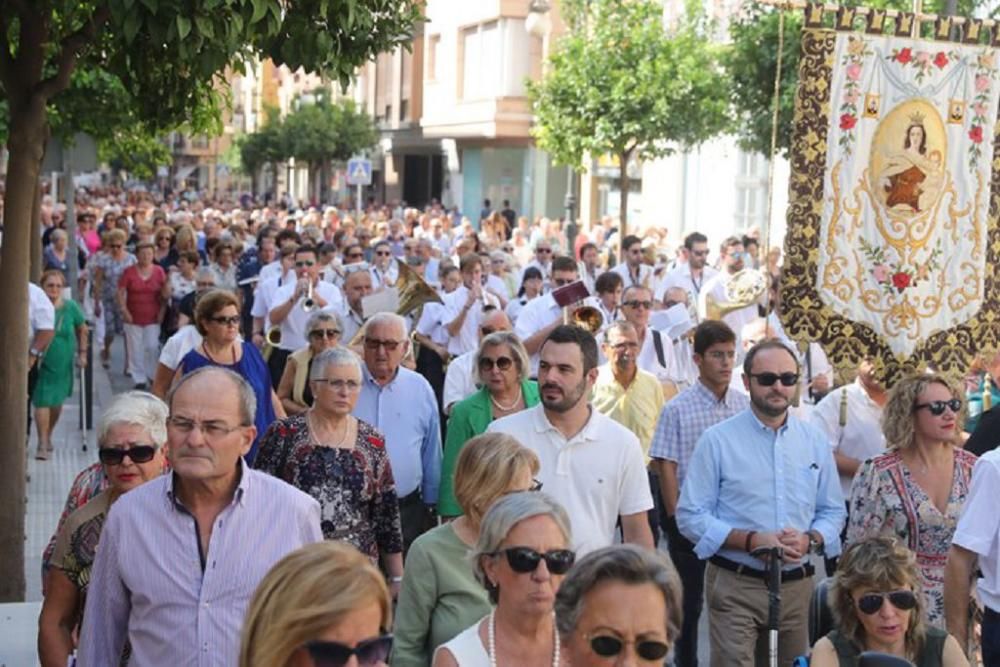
x=405, y=437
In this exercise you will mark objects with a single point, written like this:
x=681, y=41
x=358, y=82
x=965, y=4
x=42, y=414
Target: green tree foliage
x=267, y=146
x=752, y=64
x=169, y=55
x=620, y=83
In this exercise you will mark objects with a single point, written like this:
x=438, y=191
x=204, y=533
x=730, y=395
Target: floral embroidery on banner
x=985, y=74
x=894, y=275
x=857, y=50
x=923, y=61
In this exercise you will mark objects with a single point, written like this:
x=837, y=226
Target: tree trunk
x=35, y=272
x=26, y=144
x=623, y=202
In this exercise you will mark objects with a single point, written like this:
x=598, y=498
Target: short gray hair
x=322, y=316
x=58, y=234
x=621, y=326
x=248, y=399
x=501, y=518
x=386, y=318
x=510, y=339
x=335, y=356
x=625, y=563
x=135, y=408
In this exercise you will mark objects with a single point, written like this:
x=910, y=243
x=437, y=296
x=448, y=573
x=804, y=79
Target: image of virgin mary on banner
x=892, y=230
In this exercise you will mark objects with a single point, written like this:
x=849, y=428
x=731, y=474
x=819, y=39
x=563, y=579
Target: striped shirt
x=686, y=417
x=150, y=585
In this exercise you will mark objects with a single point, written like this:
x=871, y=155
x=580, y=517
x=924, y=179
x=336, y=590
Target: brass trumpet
x=309, y=304
x=585, y=317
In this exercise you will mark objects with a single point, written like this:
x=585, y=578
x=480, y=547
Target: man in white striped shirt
x=181, y=556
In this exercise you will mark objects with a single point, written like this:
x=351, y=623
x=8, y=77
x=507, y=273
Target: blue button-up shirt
x=406, y=412
x=745, y=475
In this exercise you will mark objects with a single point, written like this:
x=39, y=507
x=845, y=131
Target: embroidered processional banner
x=892, y=235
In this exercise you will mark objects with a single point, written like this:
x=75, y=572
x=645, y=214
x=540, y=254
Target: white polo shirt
x=978, y=528
x=460, y=380
x=264, y=296
x=597, y=475
x=681, y=277
x=468, y=336
x=645, y=278
x=293, y=328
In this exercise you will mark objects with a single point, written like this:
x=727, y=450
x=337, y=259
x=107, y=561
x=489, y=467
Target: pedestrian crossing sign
x=359, y=171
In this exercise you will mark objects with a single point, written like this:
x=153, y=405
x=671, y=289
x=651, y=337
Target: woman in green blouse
x=440, y=596
x=502, y=372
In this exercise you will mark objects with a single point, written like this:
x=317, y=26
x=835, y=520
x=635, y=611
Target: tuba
x=413, y=292
x=744, y=289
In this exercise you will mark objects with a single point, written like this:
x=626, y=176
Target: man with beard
x=591, y=464
x=761, y=479
x=733, y=261
x=692, y=274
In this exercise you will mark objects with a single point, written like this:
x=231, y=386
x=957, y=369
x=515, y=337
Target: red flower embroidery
x=901, y=280
x=848, y=121
x=904, y=56
x=940, y=60
x=376, y=442
x=976, y=134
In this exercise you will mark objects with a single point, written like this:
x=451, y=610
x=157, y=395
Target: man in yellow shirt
x=630, y=396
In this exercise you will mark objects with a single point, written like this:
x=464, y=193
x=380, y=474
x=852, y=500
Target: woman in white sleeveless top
x=521, y=557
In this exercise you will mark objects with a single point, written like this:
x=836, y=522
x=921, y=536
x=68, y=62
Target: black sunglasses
x=334, y=654
x=503, y=363
x=608, y=646
x=113, y=456
x=768, y=379
x=936, y=408
x=304, y=263
x=872, y=602
x=328, y=333
x=637, y=303
x=525, y=559
x=231, y=321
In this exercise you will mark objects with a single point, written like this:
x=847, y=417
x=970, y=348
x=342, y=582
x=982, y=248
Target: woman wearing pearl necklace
x=521, y=557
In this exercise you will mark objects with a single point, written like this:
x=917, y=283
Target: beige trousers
x=737, y=619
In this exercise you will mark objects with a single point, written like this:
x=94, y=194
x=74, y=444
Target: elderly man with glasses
x=181, y=555
x=402, y=405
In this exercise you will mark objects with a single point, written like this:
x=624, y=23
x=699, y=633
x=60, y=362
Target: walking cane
x=774, y=556
x=83, y=406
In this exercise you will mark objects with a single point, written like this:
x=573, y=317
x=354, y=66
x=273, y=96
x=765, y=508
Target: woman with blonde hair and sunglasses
x=916, y=490
x=877, y=606
x=440, y=595
x=319, y=606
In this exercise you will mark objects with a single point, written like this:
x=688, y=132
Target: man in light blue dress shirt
x=761, y=479
x=402, y=405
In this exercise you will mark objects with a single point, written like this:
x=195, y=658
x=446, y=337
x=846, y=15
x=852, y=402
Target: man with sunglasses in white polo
x=762, y=479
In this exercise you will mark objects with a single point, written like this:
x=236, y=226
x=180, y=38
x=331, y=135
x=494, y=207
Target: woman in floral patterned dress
x=341, y=462
x=916, y=490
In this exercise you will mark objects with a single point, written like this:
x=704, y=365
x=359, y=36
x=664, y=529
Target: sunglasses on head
x=872, y=602
x=524, y=559
x=768, y=379
x=221, y=319
x=328, y=333
x=608, y=646
x=503, y=363
x=937, y=408
x=113, y=456
x=370, y=652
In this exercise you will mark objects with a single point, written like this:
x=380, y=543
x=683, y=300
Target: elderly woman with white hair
x=131, y=437
x=341, y=461
x=520, y=558
x=323, y=331
x=621, y=603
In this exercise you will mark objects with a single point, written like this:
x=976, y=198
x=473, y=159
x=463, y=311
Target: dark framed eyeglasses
x=389, y=345
x=636, y=303
x=937, y=408
x=231, y=321
x=355, y=255
x=768, y=379
x=113, y=456
x=872, y=602
x=544, y=251
x=324, y=333
x=608, y=646
x=503, y=363
x=381, y=253
x=700, y=253
x=304, y=263
x=369, y=652
x=525, y=559
x=339, y=385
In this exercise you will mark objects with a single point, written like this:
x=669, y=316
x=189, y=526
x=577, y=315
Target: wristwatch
x=815, y=546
